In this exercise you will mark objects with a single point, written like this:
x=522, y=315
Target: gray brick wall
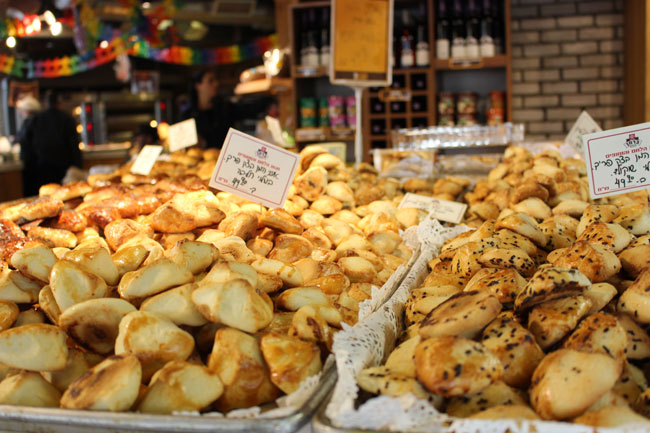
x=567, y=56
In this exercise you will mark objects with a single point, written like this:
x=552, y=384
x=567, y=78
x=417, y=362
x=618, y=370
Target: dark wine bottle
x=443, y=32
x=487, y=46
x=458, y=31
x=472, y=29
x=325, y=38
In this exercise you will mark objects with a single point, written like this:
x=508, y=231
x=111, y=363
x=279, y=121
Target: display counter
x=105, y=154
x=11, y=179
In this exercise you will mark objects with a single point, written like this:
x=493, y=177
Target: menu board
x=361, y=42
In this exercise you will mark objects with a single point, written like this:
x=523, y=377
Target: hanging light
x=56, y=28
x=103, y=44
x=11, y=42
x=36, y=24
x=49, y=18
x=153, y=124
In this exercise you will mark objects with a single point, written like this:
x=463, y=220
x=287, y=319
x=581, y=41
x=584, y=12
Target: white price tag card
x=276, y=130
x=146, y=159
x=416, y=201
x=182, y=134
x=254, y=169
x=584, y=125
x=442, y=210
x=618, y=160
x=336, y=148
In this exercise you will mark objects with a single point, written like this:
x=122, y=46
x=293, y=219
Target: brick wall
x=567, y=55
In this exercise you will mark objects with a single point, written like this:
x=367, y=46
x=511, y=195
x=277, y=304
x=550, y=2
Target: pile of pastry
x=154, y=294
x=541, y=312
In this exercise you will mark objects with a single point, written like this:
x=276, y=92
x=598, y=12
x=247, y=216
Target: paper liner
x=369, y=342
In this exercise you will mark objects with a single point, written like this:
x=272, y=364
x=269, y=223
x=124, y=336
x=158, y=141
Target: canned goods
x=351, y=111
x=336, y=111
x=307, y=112
x=323, y=112
x=446, y=104
x=466, y=103
x=495, y=116
x=467, y=119
x=496, y=99
x=446, y=120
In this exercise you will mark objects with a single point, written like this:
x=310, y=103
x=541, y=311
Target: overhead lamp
x=153, y=124
x=11, y=42
x=49, y=18
x=103, y=44
x=146, y=5
x=56, y=28
x=36, y=25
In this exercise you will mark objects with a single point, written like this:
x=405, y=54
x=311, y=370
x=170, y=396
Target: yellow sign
x=362, y=36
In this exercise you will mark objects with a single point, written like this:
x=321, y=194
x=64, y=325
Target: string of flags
x=71, y=65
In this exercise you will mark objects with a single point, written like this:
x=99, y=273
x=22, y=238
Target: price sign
x=182, y=134
x=146, y=159
x=362, y=35
x=254, y=169
x=584, y=125
x=618, y=160
x=276, y=130
x=442, y=210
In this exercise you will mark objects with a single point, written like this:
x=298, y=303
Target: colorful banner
x=71, y=65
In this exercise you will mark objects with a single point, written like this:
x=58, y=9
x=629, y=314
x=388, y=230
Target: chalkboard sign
x=362, y=42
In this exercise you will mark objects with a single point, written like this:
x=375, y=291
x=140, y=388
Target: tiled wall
x=567, y=56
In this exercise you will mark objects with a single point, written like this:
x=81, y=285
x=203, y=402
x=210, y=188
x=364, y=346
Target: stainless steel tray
x=47, y=420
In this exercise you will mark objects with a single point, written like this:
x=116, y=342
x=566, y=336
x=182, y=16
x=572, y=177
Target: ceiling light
x=153, y=123
x=11, y=42
x=49, y=17
x=103, y=44
x=36, y=25
x=146, y=5
x=56, y=28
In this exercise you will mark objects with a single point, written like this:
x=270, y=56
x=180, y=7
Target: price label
x=276, y=130
x=442, y=210
x=584, y=125
x=336, y=148
x=182, y=134
x=254, y=169
x=146, y=159
x=618, y=160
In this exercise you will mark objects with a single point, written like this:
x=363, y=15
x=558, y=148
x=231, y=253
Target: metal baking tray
x=51, y=420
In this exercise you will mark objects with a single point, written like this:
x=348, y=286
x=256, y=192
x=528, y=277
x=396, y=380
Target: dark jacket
x=50, y=138
x=212, y=125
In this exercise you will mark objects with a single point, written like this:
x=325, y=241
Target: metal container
x=48, y=420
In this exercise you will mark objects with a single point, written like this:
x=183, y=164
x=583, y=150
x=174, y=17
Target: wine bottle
x=325, y=38
x=458, y=31
x=407, y=57
x=487, y=47
x=472, y=30
x=422, y=49
x=311, y=49
x=442, y=31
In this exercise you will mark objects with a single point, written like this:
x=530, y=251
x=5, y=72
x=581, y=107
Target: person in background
x=144, y=135
x=49, y=145
x=213, y=115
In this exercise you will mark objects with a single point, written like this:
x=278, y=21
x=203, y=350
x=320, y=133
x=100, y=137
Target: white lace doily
x=368, y=343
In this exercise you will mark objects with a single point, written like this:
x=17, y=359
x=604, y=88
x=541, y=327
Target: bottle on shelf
x=407, y=57
x=458, y=31
x=499, y=29
x=309, y=53
x=324, y=57
x=443, y=32
x=472, y=30
x=422, y=49
x=487, y=46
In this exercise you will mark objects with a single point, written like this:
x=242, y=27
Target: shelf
x=300, y=71
x=499, y=61
x=265, y=85
x=422, y=70
x=322, y=134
